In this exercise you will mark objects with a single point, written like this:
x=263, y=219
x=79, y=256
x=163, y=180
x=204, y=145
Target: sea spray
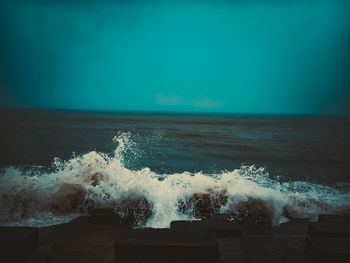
x=39, y=197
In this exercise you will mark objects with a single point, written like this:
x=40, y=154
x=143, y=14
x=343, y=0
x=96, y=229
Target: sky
x=232, y=56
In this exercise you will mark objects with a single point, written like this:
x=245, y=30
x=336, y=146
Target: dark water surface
x=308, y=148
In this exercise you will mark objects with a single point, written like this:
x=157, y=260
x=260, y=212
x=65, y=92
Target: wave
x=143, y=198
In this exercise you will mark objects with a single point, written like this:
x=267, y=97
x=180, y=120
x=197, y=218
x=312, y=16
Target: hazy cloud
x=206, y=104
x=169, y=100
x=197, y=103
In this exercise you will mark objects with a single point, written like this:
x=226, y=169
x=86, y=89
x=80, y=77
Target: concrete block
x=167, y=243
x=18, y=238
x=334, y=219
x=328, y=247
x=220, y=228
x=329, y=230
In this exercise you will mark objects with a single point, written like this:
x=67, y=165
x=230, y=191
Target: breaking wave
x=38, y=197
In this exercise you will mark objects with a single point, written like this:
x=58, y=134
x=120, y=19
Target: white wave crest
x=97, y=180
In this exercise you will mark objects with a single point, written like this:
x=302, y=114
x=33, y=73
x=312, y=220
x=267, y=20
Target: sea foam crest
x=144, y=198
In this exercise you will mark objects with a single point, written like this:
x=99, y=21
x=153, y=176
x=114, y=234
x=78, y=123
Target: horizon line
x=159, y=112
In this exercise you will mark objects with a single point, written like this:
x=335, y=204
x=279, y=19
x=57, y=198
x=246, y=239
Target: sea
x=297, y=161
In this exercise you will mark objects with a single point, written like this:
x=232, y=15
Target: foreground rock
x=133, y=211
x=252, y=211
x=203, y=205
x=208, y=205
x=67, y=198
x=96, y=179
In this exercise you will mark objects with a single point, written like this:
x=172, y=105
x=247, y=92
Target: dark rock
x=252, y=211
x=96, y=179
x=99, y=212
x=217, y=217
x=203, y=205
x=67, y=198
x=133, y=211
x=290, y=212
x=99, y=216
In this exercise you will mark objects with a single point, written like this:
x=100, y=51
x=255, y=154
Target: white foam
x=26, y=194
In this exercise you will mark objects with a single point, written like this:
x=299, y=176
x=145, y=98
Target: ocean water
x=300, y=162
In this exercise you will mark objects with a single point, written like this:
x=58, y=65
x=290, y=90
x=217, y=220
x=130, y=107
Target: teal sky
x=232, y=56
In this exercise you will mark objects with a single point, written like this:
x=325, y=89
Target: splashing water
x=97, y=180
